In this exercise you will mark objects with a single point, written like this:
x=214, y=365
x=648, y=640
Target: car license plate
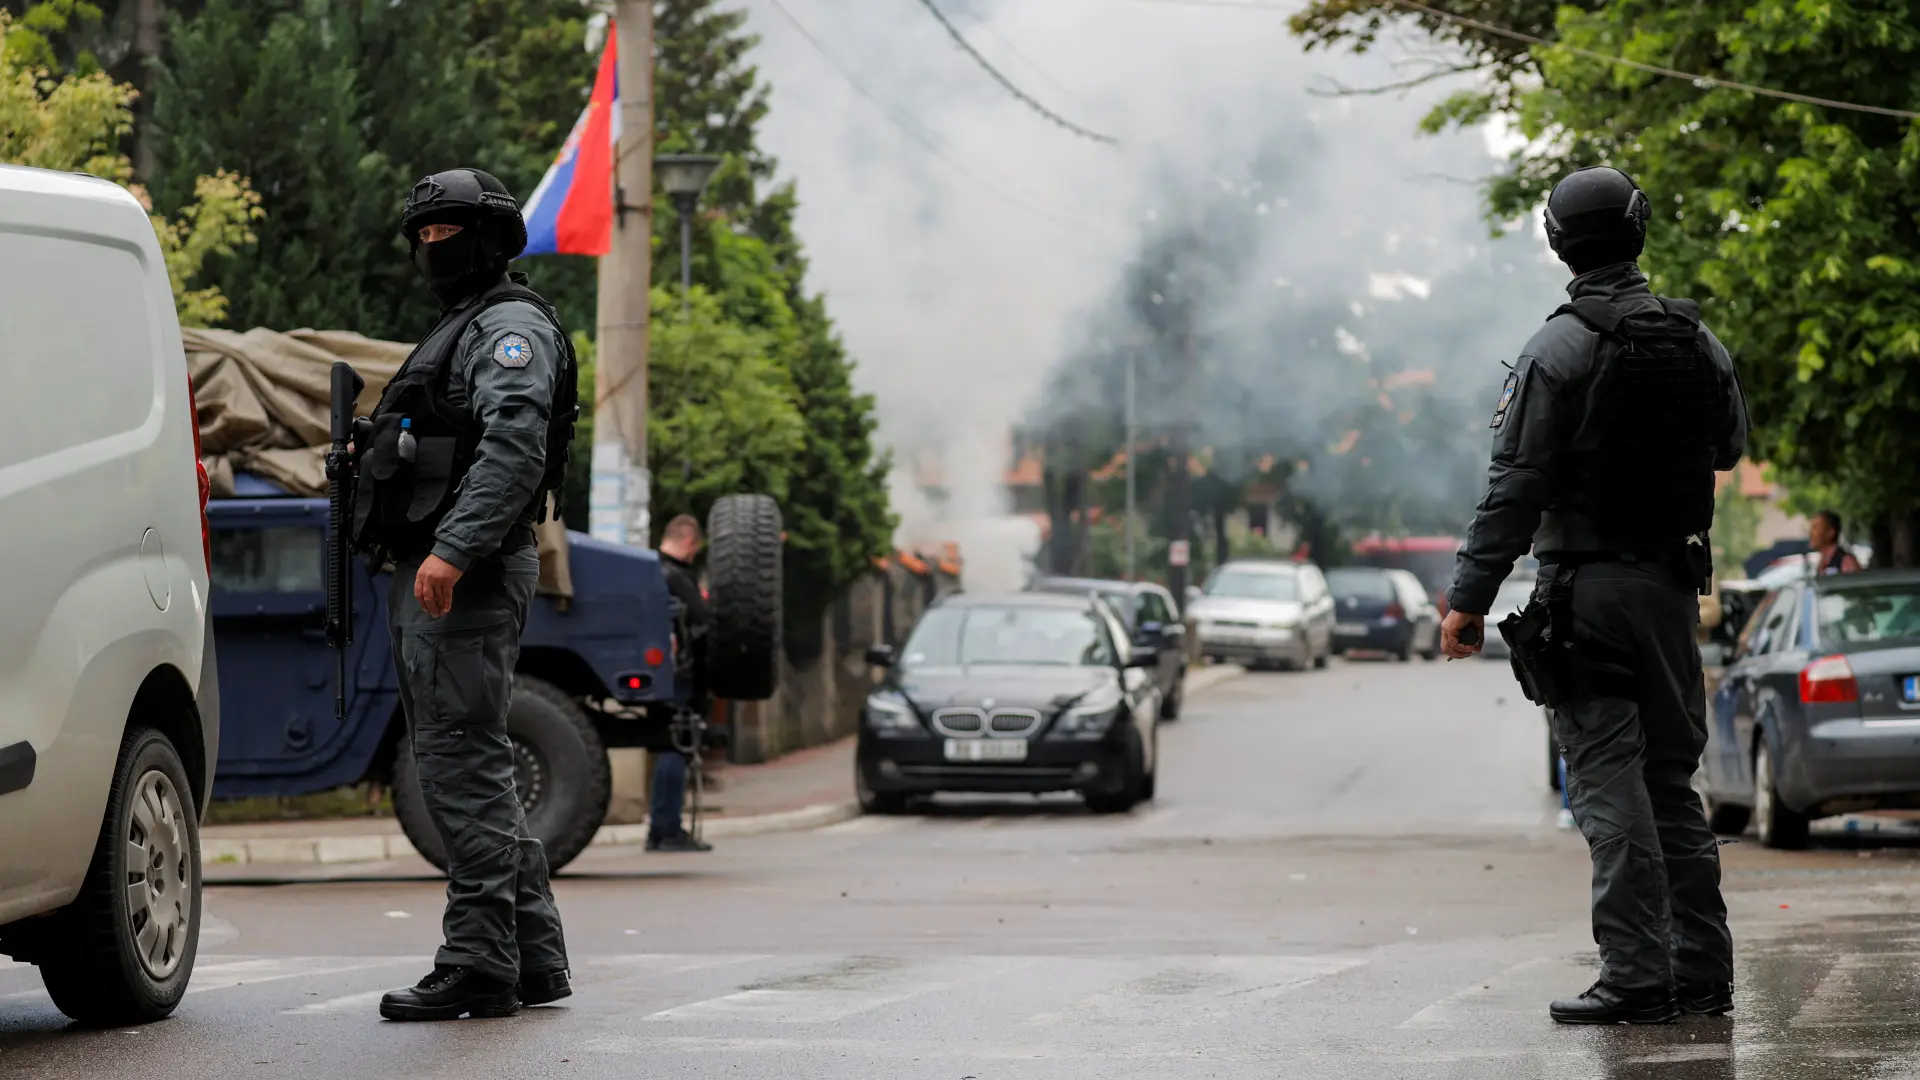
x=986, y=749
x=1910, y=688
x=1352, y=629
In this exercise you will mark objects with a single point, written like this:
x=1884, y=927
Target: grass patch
x=352, y=801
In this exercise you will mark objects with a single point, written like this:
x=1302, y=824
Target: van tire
x=744, y=582
x=558, y=748
x=91, y=958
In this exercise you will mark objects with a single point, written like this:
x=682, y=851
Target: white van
x=109, y=724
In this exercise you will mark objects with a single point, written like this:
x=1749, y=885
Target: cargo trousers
x=456, y=682
x=1632, y=740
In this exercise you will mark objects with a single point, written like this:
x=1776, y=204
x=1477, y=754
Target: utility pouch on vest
x=433, y=470
x=1539, y=641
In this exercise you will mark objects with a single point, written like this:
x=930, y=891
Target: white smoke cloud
x=960, y=279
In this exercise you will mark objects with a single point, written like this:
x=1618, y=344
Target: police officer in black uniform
x=1607, y=434
x=468, y=439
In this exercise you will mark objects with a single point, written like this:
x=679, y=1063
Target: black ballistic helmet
x=1596, y=217
x=469, y=198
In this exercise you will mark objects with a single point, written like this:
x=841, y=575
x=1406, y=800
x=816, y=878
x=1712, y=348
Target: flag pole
x=620, y=476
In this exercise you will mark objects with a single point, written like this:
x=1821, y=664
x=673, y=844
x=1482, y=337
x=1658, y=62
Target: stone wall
x=819, y=699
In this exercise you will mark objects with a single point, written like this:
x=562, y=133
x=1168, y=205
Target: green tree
x=710, y=99
x=1793, y=224
x=74, y=123
x=335, y=109
x=1736, y=527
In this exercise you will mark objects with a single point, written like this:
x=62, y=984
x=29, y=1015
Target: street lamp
x=683, y=177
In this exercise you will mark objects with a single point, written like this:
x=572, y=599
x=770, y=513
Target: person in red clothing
x=1823, y=532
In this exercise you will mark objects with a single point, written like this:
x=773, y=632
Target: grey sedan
x=1818, y=711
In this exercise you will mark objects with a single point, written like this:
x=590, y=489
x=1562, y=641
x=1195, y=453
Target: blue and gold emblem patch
x=513, y=351
x=1507, y=391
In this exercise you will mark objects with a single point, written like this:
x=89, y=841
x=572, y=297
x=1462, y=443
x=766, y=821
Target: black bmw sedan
x=1026, y=692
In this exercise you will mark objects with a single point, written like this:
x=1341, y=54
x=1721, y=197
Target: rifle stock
x=344, y=388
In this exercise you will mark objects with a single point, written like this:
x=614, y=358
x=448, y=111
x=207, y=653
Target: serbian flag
x=571, y=212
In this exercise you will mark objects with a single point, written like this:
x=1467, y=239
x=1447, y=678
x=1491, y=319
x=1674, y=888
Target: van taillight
x=1829, y=679
x=202, y=483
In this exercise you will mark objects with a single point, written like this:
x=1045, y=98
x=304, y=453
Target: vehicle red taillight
x=202, y=482
x=1395, y=611
x=1829, y=679
x=654, y=657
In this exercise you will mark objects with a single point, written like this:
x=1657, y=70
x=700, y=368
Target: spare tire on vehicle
x=743, y=586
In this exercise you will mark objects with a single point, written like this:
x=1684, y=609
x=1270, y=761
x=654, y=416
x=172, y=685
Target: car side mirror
x=1713, y=654
x=880, y=655
x=1144, y=658
x=1192, y=594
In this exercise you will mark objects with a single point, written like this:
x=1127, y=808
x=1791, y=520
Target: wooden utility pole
x=622, y=485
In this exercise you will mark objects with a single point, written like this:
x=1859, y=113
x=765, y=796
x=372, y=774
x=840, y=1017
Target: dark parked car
x=1818, y=711
x=1027, y=692
x=1377, y=609
x=1152, y=622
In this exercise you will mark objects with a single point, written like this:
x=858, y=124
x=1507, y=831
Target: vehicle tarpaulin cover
x=262, y=401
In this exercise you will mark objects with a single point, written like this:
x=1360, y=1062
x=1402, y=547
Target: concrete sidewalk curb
x=329, y=850
x=1212, y=675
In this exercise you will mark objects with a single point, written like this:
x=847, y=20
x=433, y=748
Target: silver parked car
x=1265, y=613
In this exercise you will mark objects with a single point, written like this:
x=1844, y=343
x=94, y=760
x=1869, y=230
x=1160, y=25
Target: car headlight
x=888, y=712
x=1088, y=721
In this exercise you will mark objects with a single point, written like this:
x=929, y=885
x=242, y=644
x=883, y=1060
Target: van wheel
x=560, y=772
x=123, y=951
x=743, y=576
x=1778, y=824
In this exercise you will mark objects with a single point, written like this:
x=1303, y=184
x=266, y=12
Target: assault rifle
x=344, y=391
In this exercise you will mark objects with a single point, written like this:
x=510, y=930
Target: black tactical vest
x=1659, y=407
x=399, y=503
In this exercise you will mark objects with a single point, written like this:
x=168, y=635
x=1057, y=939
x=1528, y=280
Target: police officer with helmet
x=1608, y=432
x=454, y=469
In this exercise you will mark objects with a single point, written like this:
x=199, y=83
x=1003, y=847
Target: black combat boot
x=1705, y=998
x=1603, y=1004
x=450, y=992
x=543, y=988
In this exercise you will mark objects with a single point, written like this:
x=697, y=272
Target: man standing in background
x=679, y=546
x=1823, y=534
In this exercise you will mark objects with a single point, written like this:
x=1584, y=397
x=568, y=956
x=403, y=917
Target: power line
x=1703, y=81
x=1024, y=97
x=913, y=131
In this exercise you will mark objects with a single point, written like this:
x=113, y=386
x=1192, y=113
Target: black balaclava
x=463, y=264
x=1597, y=217
x=491, y=232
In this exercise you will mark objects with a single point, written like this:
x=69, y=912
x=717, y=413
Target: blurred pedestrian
x=1608, y=432
x=1823, y=533
x=679, y=547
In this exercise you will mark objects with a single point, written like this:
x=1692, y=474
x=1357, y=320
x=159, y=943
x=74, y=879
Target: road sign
x=1177, y=553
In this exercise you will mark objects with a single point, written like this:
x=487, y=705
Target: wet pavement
x=1347, y=874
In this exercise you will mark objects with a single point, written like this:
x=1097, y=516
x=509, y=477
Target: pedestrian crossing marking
x=1473, y=1001
x=1205, y=987
x=852, y=986
x=349, y=1003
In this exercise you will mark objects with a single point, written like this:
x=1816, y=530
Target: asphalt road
x=1348, y=874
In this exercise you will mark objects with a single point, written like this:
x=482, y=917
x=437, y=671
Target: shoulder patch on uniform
x=513, y=351
x=1507, y=390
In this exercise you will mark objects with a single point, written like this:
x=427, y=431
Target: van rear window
x=78, y=329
